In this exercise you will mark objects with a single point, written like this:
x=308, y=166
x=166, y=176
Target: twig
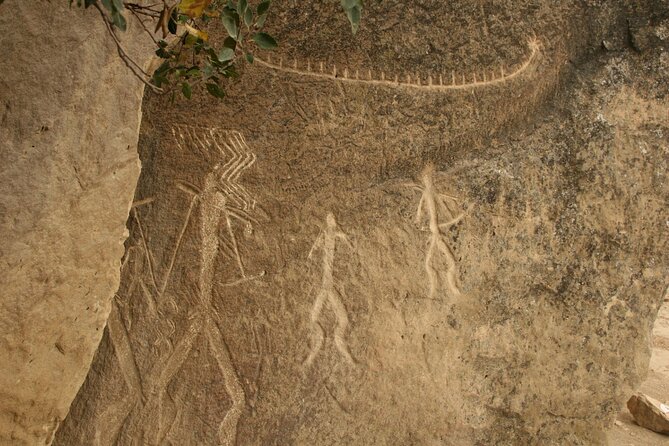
x=142, y=8
x=144, y=26
x=131, y=64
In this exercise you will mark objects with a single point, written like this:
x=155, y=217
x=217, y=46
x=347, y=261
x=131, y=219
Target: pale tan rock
x=648, y=413
x=69, y=118
x=287, y=281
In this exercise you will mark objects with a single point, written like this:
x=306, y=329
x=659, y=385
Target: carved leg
x=227, y=430
x=339, y=310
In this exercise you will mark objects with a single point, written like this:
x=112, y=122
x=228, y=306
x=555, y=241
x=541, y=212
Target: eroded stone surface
x=69, y=118
x=296, y=275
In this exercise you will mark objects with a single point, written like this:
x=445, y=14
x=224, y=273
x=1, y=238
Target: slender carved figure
x=437, y=205
x=328, y=292
x=220, y=199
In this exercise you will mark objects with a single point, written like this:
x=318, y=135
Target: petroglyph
x=139, y=203
x=123, y=350
x=218, y=146
x=222, y=190
x=159, y=289
x=177, y=245
x=329, y=293
x=434, y=206
x=428, y=82
x=221, y=198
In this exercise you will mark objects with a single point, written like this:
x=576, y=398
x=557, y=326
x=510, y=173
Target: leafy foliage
x=353, y=9
x=191, y=58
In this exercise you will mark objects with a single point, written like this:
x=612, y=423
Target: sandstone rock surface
x=69, y=119
x=343, y=259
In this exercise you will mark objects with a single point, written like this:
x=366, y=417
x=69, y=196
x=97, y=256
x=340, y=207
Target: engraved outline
x=432, y=84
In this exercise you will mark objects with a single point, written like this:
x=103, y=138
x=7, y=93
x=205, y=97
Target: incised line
x=429, y=82
x=123, y=350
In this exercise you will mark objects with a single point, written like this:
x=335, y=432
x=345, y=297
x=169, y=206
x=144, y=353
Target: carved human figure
x=329, y=293
x=219, y=199
x=437, y=207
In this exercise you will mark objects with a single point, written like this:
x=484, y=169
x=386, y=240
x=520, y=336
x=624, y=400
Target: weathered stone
x=286, y=280
x=524, y=322
x=69, y=120
x=648, y=413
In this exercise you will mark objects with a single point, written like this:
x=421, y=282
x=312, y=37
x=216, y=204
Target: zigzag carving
x=430, y=82
x=235, y=157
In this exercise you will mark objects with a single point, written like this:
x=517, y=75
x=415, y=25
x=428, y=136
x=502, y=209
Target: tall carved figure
x=220, y=199
x=437, y=207
x=328, y=292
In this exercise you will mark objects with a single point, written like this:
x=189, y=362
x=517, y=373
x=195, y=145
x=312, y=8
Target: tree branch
x=129, y=62
x=148, y=31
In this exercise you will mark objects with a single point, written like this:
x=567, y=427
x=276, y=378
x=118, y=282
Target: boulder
x=69, y=120
x=649, y=413
x=338, y=257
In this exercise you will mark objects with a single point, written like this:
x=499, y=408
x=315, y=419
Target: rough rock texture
x=328, y=260
x=69, y=122
x=648, y=413
x=625, y=430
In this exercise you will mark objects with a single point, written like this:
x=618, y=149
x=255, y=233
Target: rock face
x=335, y=257
x=69, y=120
x=648, y=413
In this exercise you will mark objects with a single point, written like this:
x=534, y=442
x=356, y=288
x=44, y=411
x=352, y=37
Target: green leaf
x=248, y=17
x=215, y=91
x=354, y=17
x=190, y=39
x=348, y=4
x=229, y=42
x=263, y=7
x=264, y=41
x=241, y=6
x=119, y=20
x=207, y=71
x=172, y=23
x=226, y=54
x=353, y=9
x=160, y=75
x=231, y=22
x=192, y=72
x=186, y=90
x=212, y=54
x=231, y=5
x=163, y=54
x=261, y=21
x=163, y=68
x=230, y=71
x=249, y=57
x=107, y=4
